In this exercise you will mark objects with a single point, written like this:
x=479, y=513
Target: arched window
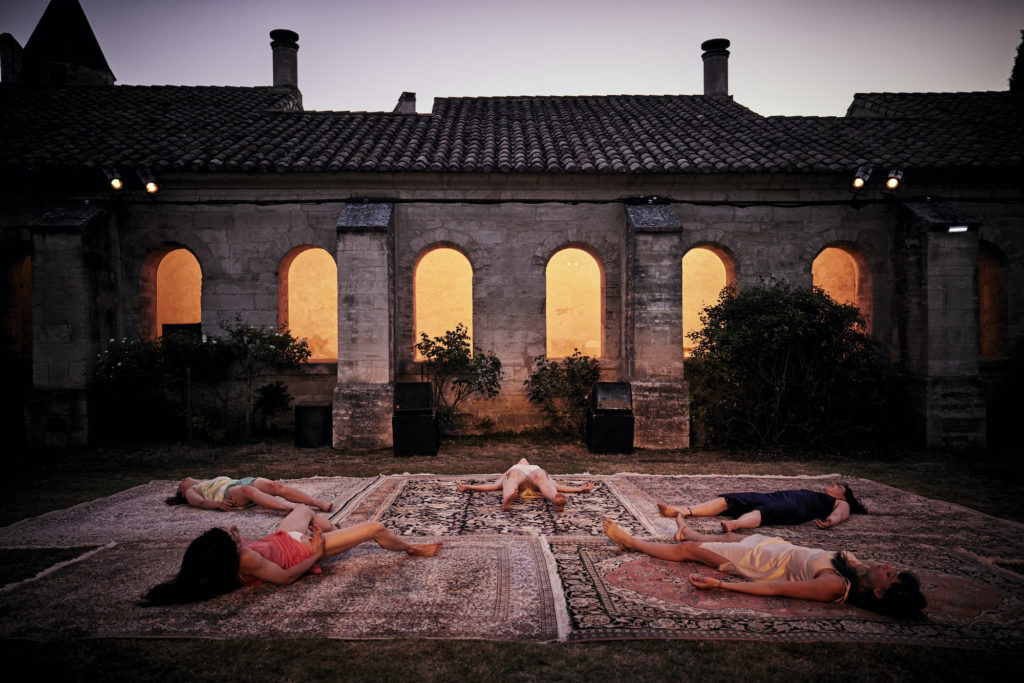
x=840, y=273
x=706, y=271
x=991, y=301
x=308, y=300
x=442, y=294
x=179, y=287
x=574, y=304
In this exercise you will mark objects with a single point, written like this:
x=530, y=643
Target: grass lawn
x=40, y=482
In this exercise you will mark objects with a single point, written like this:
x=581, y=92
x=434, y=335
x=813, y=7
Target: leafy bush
x=781, y=365
x=139, y=382
x=561, y=389
x=456, y=372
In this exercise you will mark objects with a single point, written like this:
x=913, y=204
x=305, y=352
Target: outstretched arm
x=574, y=489
x=839, y=513
x=824, y=588
x=496, y=486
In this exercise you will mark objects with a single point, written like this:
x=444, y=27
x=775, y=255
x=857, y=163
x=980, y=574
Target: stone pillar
x=363, y=396
x=63, y=338
x=954, y=398
x=654, y=338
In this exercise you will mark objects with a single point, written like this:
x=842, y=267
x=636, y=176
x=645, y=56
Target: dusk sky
x=795, y=57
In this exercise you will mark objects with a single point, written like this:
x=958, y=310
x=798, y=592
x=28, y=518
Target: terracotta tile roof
x=206, y=129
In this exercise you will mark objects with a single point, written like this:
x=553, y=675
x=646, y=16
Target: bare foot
x=668, y=510
x=728, y=527
x=325, y=507
x=616, y=533
x=684, y=533
x=559, y=502
x=425, y=549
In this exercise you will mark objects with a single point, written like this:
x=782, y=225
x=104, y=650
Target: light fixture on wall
x=114, y=179
x=894, y=183
x=958, y=228
x=148, y=181
x=860, y=179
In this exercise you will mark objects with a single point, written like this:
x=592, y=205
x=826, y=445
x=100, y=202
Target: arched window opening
x=16, y=307
x=706, y=271
x=991, y=302
x=573, y=308
x=840, y=273
x=442, y=294
x=179, y=285
x=308, y=300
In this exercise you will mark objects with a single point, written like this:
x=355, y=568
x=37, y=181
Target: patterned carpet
x=529, y=574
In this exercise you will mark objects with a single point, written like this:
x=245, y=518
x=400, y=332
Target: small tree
x=776, y=364
x=561, y=389
x=258, y=350
x=457, y=372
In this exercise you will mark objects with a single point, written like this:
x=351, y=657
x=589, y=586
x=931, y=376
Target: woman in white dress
x=774, y=567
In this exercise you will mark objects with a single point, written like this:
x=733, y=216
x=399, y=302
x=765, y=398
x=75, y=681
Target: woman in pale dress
x=524, y=479
x=774, y=567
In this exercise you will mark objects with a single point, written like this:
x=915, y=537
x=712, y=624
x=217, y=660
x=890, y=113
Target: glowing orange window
x=308, y=300
x=574, y=304
x=706, y=271
x=442, y=294
x=991, y=302
x=179, y=286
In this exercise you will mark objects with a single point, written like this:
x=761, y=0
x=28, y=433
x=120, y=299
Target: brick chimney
x=285, y=45
x=716, y=67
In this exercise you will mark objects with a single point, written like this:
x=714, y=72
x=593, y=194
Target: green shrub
x=456, y=372
x=561, y=389
x=777, y=365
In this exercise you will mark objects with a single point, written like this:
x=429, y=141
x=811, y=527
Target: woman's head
x=880, y=588
x=209, y=568
x=179, y=494
x=844, y=492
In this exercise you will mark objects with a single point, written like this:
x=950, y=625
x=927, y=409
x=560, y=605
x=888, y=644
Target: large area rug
x=528, y=574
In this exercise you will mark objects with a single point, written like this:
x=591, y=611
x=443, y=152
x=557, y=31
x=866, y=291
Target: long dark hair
x=177, y=499
x=209, y=568
x=855, y=505
x=902, y=599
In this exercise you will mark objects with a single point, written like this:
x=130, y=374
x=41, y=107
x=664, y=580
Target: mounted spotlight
x=148, y=181
x=860, y=179
x=114, y=179
x=894, y=183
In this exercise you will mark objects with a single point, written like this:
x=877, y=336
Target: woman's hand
x=319, y=544
x=704, y=582
x=823, y=523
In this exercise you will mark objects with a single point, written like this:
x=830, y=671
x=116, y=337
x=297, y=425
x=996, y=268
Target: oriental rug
x=477, y=587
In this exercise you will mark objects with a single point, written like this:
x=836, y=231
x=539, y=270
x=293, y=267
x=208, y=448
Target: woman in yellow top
x=225, y=493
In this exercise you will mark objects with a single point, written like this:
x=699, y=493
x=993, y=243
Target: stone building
x=542, y=223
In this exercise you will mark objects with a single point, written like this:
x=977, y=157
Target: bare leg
x=544, y=484
x=710, y=508
x=674, y=552
x=749, y=520
x=241, y=496
x=276, y=488
x=685, y=533
x=510, y=487
x=342, y=539
x=298, y=519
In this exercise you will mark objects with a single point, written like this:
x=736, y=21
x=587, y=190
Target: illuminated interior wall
x=442, y=294
x=991, y=302
x=573, y=307
x=835, y=272
x=706, y=271
x=309, y=300
x=179, y=285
